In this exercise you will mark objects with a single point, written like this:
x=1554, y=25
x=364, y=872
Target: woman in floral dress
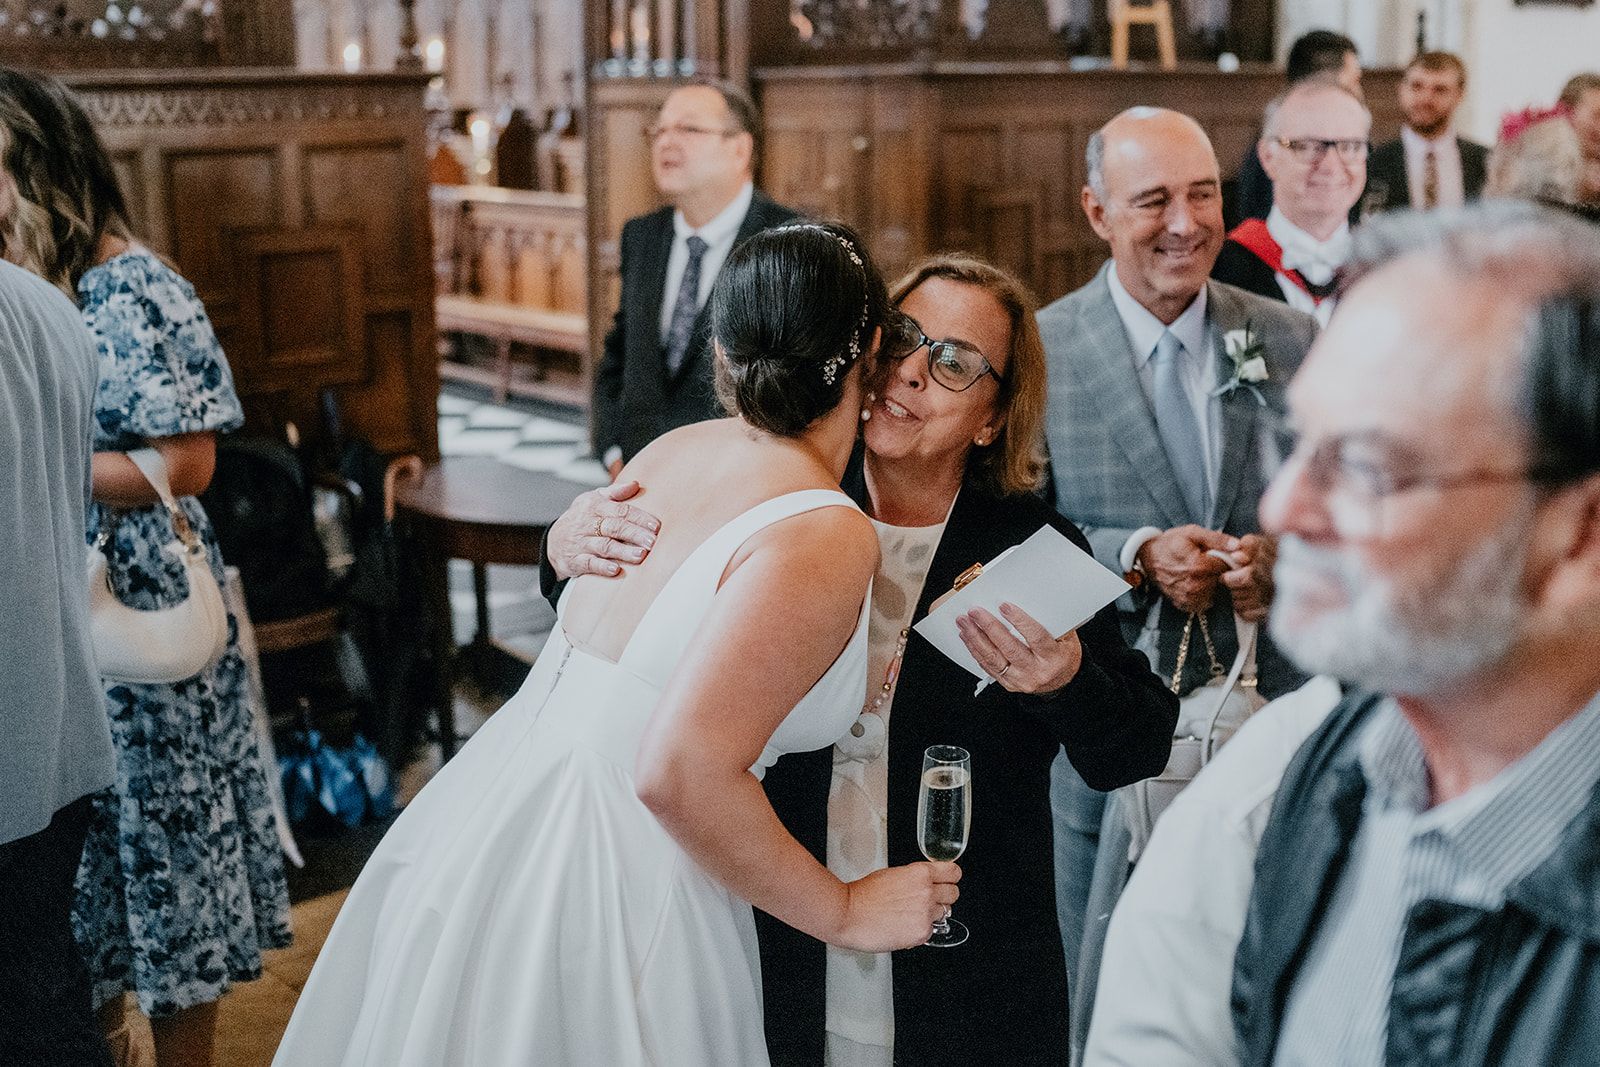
x=181, y=885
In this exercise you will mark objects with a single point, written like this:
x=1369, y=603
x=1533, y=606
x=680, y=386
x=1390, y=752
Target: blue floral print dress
x=181, y=885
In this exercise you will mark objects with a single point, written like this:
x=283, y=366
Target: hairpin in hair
x=832, y=365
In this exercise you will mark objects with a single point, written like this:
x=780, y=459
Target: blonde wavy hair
x=61, y=192
x=1015, y=461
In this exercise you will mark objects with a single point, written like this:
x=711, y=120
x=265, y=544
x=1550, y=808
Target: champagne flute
x=944, y=815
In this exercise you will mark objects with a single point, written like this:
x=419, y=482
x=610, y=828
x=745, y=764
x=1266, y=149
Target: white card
x=1046, y=576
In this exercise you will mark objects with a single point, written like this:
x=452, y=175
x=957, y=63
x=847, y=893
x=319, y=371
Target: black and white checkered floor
x=540, y=441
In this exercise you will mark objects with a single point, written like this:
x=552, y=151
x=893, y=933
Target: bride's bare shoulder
x=686, y=444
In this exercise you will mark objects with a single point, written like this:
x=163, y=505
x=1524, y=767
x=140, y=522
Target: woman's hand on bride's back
x=599, y=532
x=896, y=907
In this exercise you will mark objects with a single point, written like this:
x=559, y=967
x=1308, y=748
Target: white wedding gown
x=527, y=909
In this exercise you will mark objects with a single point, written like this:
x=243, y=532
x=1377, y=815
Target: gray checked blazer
x=1112, y=475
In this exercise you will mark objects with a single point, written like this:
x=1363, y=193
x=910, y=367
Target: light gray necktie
x=1178, y=427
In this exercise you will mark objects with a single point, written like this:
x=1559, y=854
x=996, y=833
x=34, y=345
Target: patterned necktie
x=1178, y=427
x=1430, y=180
x=685, y=307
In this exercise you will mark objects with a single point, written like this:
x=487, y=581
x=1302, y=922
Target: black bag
x=260, y=502
x=385, y=610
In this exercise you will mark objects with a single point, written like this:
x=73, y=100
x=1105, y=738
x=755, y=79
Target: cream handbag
x=166, y=644
x=1207, y=717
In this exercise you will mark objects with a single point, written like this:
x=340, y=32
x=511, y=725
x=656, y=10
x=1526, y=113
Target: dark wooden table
x=484, y=511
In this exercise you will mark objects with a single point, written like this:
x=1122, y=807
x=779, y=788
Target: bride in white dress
x=574, y=887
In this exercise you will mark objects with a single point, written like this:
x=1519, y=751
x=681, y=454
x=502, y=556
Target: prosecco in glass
x=944, y=815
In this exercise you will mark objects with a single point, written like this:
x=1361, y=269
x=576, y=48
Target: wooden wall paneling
x=377, y=201
x=813, y=158
x=618, y=185
x=211, y=191
x=1001, y=147
x=300, y=315
x=902, y=150
x=237, y=176
x=1012, y=30
x=240, y=33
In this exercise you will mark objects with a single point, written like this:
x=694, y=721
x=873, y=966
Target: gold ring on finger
x=1003, y=670
x=597, y=524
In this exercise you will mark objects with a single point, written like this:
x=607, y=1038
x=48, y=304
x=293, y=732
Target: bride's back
x=695, y=480
x=792, y=313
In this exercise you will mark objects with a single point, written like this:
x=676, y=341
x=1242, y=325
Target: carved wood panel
x=301, y=310
x=618, y=185
x=298, y=207
x=389, y=236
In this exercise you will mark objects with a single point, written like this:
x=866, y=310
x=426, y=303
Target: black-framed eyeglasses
x=1310, y=150
x=655, y=131
x=955, y=365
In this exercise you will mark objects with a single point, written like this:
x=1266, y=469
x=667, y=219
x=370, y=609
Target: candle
x=639, y=23
x=434, y=55
x=668, y=36
x=619, y=29
x=352, y=58
x=479, y=129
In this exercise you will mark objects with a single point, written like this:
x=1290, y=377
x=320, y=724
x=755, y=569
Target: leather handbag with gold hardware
x=1207, y=717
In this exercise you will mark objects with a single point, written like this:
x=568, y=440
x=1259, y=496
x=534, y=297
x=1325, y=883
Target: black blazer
x=1252, y=190
x=1238, y=266
x=1002, y=996
x=635, y=399
x=1389, y=189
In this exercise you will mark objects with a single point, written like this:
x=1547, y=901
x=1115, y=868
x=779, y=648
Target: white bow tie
x=1317, y=260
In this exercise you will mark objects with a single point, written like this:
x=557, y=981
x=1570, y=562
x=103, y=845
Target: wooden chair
x=1126, y=14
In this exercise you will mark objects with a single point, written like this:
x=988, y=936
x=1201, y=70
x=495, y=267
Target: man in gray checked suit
x=1158, y=453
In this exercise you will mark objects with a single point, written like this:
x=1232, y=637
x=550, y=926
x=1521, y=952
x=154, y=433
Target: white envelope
x=1046, y=576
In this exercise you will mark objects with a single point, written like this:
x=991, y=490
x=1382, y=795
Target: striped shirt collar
x=1505, y=828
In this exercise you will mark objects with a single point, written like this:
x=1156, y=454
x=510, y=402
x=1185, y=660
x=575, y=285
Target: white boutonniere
x=1248, y=356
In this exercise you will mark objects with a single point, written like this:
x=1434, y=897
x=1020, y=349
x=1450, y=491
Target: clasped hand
x=1182, y=567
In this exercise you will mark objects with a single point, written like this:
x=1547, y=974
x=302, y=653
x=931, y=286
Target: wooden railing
x=510, y=267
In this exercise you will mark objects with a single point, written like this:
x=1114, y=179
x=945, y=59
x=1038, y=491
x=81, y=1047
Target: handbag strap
x=1211, y=651
x=153, y=465
x=1243, y=672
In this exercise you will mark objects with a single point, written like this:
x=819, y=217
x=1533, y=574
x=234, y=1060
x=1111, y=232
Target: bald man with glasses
x=655, y=369
x=1314, y=148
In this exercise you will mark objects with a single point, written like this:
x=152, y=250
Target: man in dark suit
x=1427, y=166
x=655, y=371
x=1157, y=431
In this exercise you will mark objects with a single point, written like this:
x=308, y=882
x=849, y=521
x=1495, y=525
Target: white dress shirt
x=1447, y=154
x=1315, y=260
x=718, y=234
x=1164, y=978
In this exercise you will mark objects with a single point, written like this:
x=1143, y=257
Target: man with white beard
x=1426, y=890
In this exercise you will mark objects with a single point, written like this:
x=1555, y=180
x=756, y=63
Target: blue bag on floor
x=372, y=770
x=344, y=783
